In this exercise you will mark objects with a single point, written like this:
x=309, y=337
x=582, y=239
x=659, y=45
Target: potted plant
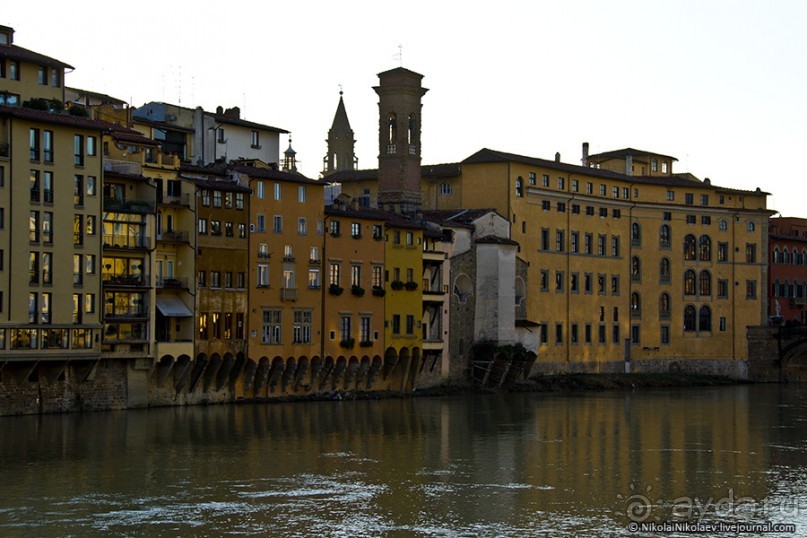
x=348, y=344
x=358, y=291
x=335, y=289
x=396, y=285
x=378, y=291
x=366, y=343
x=411, y=285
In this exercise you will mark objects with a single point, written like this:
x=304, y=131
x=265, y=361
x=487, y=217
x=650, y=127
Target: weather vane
x=340, y=89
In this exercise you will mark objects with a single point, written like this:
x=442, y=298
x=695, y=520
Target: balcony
x=123, y=167
x=173, y=283
x=288, y=294
x=177, y=200
x=128, y=206
x=125, y=280
x=112, y=312
x=173, y=237
x=433, y=288
x=126, y=242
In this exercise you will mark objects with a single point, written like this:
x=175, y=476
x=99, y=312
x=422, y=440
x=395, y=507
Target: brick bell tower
x=399, y=93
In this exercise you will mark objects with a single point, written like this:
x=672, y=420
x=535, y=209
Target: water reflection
x=474, y=465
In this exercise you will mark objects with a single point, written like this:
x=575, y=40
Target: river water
x=559, y=464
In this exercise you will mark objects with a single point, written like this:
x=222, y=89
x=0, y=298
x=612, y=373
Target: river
x=528, y=464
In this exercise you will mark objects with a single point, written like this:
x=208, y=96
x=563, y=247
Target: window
x=615, y=192
x=410, y=324
x=559, y=240
x=545, y=180
x=544, y=239
x=722, y=288
x=396, y=324
x=335, y=229
x=558, y=333
x=689, y=282
x=355, y=230
x=670, y=196
x=216, y=198
x=601, y=284
x=410, y=239
x=263, y=275
x=689, y=198
x=705, y=248
x=691, y=219
x=228, y=229
x=344, y=328
x=665, y=334
x=33, y=137
x=689, y=247
x=33, y=268
x=575, y=185
x=334, y=273
x=277, y=224
x=575, y=242
x=722, y=225
x=705, y=319
x=276, y=191
x=78, y=230
x=722, y=324
x=561, y=207
x=239, y=200
x=750, y=289
x=47, y=146
x=78, y=150
x=706, y=220
x=588, y=333
x=302, y=326
x=90, y=224
x=635, y=333
x=614, y=284
x=532, y=178
x=666, y=216
x=664, y=236
x=616, y=213
x=519, y=187
x=635, y=305
x=664, y=306
x=704, y=199
x=573, y=282
x=750, y=252
x=587, y=282
x=78, y=190
x=689, y=318
x=654, y=165
x=602, y=190
x=41, y=75
x=355, y=275
x=313, y=278
x=615, y=246
x=561, y=183
x=590, y=210
x=546, y=205
x=215, y=279
x=260, y=186
x=603, y=212
x=635, y=269
x=635, y=234
x=271, y=326
x=615, y=336
x=664, y=271
x=89, y=266
x=705, y=281
x=601, y=244
x=91, y=146
x=587, y=245
x=559, y=278
x=625, y=193
x=544, y=282
x=255, y=140
x=601, y=334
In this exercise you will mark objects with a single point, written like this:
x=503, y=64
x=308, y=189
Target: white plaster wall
x=495, y=293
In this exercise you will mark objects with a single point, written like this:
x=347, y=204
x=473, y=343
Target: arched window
x=750, y=226
x=392, y=128
x=519, y=187
x=705, y=319
x=635, y=269
x=777, y=256
x=722, y=225
x=664, y=306
x=705, y=283
x=635, y=234
x=785, y=255
x=705, y=248
x=689, y=247
x=635, y=305
x=804, y=257
x=783, y=289
x=689, y=318
x=775, y=288
x=689, y=282
x=664, y=236
x=664, y=271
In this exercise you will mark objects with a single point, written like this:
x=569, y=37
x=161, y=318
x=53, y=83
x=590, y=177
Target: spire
x=290, y=158
x=341, y=153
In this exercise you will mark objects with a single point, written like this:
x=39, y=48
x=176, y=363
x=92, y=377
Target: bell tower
x=341, y=144
x=399, y=94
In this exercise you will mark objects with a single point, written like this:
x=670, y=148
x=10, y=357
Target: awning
x=173, y=307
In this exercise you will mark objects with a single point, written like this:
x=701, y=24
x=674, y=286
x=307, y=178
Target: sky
x=721, y=85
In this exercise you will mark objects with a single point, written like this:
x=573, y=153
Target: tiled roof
x=133, y=137
x=452, y=217
x=223, y=118
x=492, y=156
x=123, y=175
x=269, y=173
x=428, y=171
x=621, y=153
x=13, y=52
x=218, y=184
x=162, y=124
x=495, y=239
x=55, y=117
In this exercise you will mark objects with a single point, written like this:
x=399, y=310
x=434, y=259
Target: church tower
x=341, y=144
x=399, y=92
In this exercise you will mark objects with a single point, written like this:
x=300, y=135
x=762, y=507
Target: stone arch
x=350, y=372
x=262, y=374
x=404, y=359
x=250, y=368
x=288, y=373
x=463, y=287
x=364, y=367
x=165, y=365
x=375, y=367
x=327, y=368
x=390, y=361
x=339, y=368
x=278, y=366
x=316, y=368
x=213, y=365
x=521, y=290
x=196, y=374
x=302, y=369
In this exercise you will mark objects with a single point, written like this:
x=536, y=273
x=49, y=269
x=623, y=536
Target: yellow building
x=354, y=299
x=285, y=280
x=662, y=270
x=50, y=231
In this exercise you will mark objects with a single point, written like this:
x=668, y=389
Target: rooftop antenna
x=179, y=84
x=399, y=56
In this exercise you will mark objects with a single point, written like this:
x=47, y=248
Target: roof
x=340, y=120
x=495, y=239
x=427, y=171
x=223, y=118
x=88, y=94
x=161, y=124
x=13, y=52
x=269, y=173
x=112, y=174
x=454, y=217
x=679, y=180
x=391, y=219
x=58, y=118
x=622, y=153
x=217, y=184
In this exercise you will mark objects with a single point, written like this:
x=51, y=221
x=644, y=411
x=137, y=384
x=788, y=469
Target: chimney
x=557, y=156
x=219, y=110
x=585, y=154
x=629, y=165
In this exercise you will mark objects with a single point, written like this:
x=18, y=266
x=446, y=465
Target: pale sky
x=718, y=84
